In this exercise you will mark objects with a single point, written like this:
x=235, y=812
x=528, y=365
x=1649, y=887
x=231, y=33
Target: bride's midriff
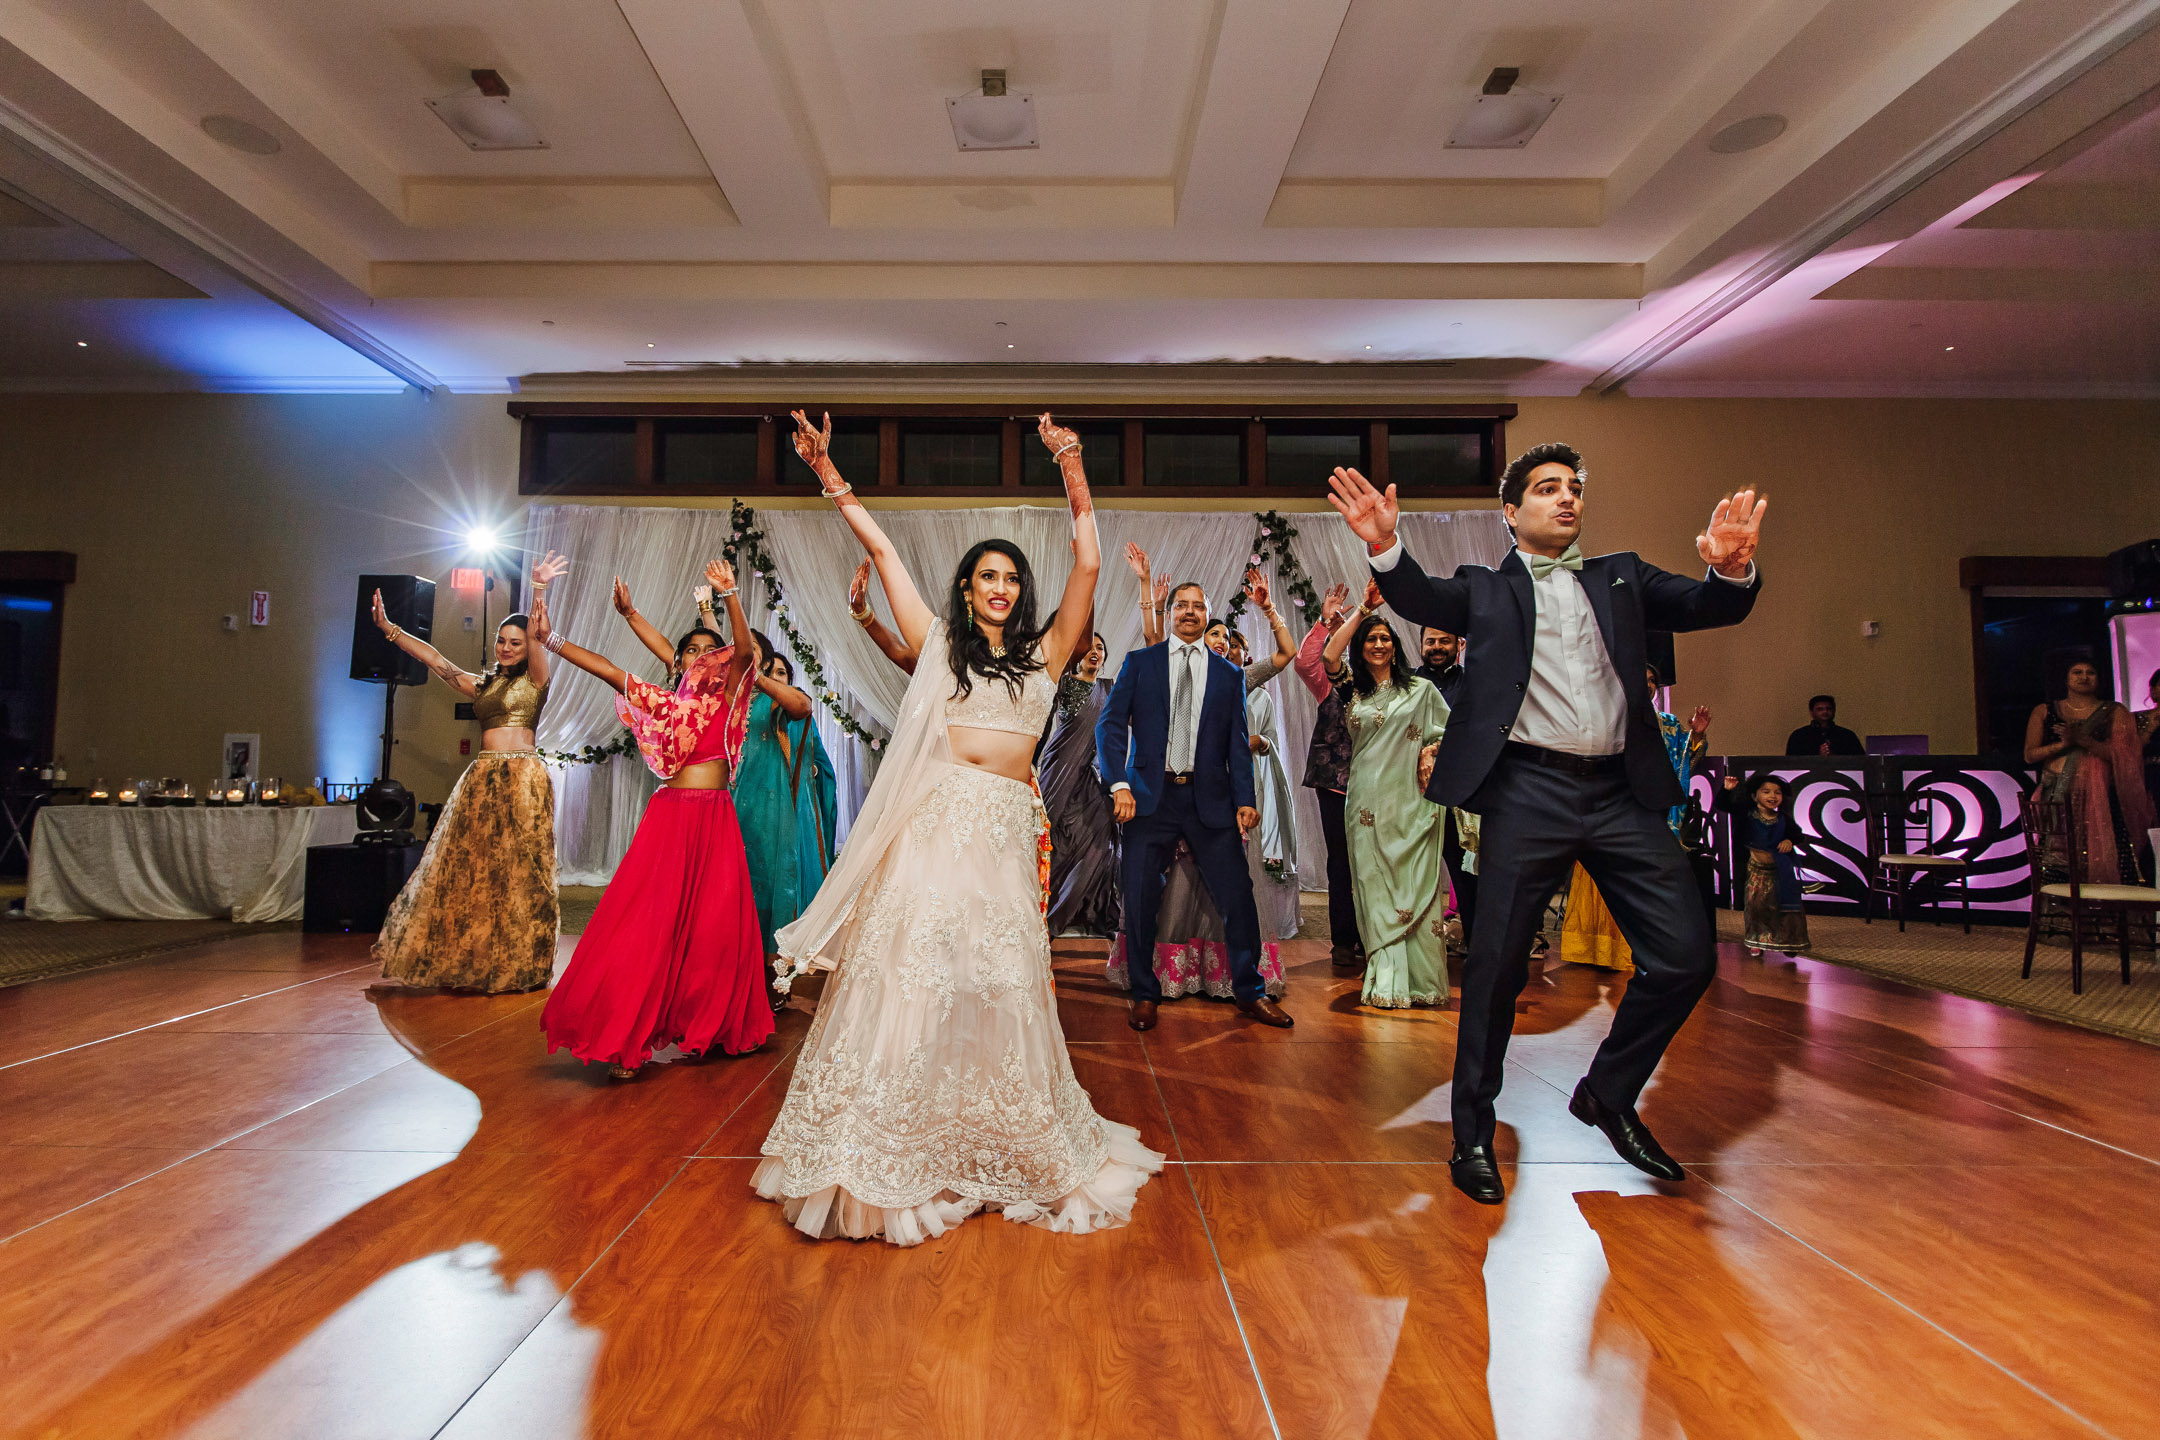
x=1001, y=752
x=705, y=775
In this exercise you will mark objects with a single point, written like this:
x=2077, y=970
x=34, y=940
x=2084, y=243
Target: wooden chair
x=2057, y=827
x=1892, y=868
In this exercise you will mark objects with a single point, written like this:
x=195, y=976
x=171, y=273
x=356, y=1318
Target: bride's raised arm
x=909, y=611
x=1070, y=626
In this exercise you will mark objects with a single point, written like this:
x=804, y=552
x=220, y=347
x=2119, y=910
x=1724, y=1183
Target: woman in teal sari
x=1399, y=882
x=785, y=794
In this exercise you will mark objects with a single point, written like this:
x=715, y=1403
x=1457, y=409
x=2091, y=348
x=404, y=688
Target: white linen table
x=123, y=862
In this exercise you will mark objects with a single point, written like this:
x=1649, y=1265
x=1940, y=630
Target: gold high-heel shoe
x=621, y=1072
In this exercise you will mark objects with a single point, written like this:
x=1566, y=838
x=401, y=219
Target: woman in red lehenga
x=672, y=955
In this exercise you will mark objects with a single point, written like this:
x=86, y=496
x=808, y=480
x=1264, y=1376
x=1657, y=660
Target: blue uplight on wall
x=19, y=602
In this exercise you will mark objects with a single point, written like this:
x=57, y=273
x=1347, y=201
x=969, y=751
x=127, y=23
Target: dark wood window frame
x=773, y=428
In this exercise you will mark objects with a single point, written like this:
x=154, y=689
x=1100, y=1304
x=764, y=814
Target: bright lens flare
x=480, y=540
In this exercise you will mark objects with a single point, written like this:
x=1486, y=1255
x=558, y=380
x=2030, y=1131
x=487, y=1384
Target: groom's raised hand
x=1371, y=513
x=1727, y=544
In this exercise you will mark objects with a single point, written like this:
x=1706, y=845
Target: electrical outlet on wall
x=1869, y=629
x=471, y=623
x=232, y=623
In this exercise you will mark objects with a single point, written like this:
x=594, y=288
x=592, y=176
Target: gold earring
x=969, y=601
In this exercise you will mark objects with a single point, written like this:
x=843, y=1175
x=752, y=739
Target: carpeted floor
x=1985, y=964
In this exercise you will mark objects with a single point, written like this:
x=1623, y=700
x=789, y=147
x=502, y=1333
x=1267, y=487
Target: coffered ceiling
x=1962, y=197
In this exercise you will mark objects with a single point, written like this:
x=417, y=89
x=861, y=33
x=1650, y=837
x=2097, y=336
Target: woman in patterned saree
x=671, y=955
x=2086, y=746
x=934, y=1081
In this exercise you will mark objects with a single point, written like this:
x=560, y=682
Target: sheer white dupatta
x=919, y=744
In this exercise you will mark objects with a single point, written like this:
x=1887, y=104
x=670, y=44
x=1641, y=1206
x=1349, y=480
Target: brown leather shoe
x=1267, y=1012
x=1142, y=1015
x=1346, y=959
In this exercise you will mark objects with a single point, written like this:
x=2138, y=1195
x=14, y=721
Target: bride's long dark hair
x=966, y=647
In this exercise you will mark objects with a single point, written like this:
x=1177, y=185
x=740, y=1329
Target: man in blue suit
x=1173, y=745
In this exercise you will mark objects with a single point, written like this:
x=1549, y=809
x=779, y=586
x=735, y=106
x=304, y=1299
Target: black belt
x=1582, y=766
x=1178, y=777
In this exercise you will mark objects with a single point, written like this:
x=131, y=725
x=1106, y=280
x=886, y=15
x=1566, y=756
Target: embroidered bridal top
x=990, y=705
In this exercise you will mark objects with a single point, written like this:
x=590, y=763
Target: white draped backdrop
x=660, y=554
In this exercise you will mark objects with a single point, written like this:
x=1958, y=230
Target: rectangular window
x=582, y=454
x=854, y=453
x=706, y=454
x=957, y=454
x=1439, y=455
x=1303, y=453
x=1101, y=456
x=1194, y=453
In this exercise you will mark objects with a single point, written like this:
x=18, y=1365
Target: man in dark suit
x=1822, y=735
x=1552, y=743
x=1443, y=657
x=1173, y=747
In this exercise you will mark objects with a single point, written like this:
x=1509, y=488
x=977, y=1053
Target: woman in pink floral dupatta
x=672, y=955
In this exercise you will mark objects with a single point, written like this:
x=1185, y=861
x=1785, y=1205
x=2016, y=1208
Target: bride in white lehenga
x=934, y=1081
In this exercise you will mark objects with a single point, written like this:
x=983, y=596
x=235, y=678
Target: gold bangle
x=845, y=489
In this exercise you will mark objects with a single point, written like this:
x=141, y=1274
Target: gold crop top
x=989, y=705
x=509, y=704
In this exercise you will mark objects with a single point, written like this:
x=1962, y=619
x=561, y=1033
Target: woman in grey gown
x=1083, y=837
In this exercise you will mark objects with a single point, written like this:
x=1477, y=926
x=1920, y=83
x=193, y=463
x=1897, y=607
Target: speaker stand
x=389, y=727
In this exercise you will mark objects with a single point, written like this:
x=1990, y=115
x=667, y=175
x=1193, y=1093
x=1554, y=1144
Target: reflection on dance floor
x=244, y=1193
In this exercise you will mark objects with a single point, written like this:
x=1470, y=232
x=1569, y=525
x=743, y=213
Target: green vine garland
x=1272, y=541
x=746, y=549
x=624, y=743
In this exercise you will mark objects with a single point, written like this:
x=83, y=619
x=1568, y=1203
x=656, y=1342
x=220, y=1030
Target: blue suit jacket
x=1133, y=736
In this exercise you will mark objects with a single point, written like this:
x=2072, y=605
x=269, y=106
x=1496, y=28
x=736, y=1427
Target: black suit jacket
x=1498, y=609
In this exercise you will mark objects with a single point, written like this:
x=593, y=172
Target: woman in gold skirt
x=480, y=913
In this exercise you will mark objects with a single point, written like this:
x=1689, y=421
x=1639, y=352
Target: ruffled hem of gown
x=1196, y=967
x=1103, y=1203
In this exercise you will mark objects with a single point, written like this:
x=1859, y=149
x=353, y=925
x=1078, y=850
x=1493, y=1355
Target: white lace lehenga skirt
x=934, y=1081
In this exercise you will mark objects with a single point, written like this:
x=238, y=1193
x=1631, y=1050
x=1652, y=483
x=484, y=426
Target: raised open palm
x=1727, y=544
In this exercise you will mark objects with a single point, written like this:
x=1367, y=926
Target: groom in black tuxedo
x=1553, y=744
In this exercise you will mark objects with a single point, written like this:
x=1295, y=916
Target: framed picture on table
x=242, y=754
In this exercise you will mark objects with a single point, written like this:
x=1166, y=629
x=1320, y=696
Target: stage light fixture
x=481, y=540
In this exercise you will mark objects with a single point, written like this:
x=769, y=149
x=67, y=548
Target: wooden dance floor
x=244, y=1195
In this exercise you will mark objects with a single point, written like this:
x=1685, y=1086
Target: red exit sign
x=466, y=579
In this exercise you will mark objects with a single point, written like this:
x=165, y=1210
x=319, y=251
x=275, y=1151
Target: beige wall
x=179, y=506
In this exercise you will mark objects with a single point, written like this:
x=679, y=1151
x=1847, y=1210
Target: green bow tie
x=1543, y=565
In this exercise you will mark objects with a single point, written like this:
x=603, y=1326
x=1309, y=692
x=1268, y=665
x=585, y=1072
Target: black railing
x=1851, y=809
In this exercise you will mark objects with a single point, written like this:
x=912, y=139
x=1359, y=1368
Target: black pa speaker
x=1657, y=651
x=350, y=887
x=409, y=601
x=2134, y=571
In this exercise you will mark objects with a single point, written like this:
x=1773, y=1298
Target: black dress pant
x=1341, y=904
x=1219, y=851
x=1536, y=824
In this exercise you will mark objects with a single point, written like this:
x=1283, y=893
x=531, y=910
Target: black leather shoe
x=1472, y=1169
x=1629, y=1136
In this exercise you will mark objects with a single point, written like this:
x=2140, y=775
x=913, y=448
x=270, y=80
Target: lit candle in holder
x=98, y=795
x=128, y=795
x=267, y=792
x=236, y=791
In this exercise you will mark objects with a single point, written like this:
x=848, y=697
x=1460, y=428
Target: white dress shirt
x=1575, y=702
x=1184, y=739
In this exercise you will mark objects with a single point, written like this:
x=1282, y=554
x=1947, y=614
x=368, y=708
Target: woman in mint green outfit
x=785, y=796
x=1398, y=880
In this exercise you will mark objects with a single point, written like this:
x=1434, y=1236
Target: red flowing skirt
x=672, y=955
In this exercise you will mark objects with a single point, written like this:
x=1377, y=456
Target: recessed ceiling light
x=1010, y=346
x=992, y=119
x=1502, y=122
x=1748, y=134
x=547, y=322
x=82, y=344
x=649, y=345
x=237, y=134
x=1368, y=347
x=1949, y=347
x=483, y=117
